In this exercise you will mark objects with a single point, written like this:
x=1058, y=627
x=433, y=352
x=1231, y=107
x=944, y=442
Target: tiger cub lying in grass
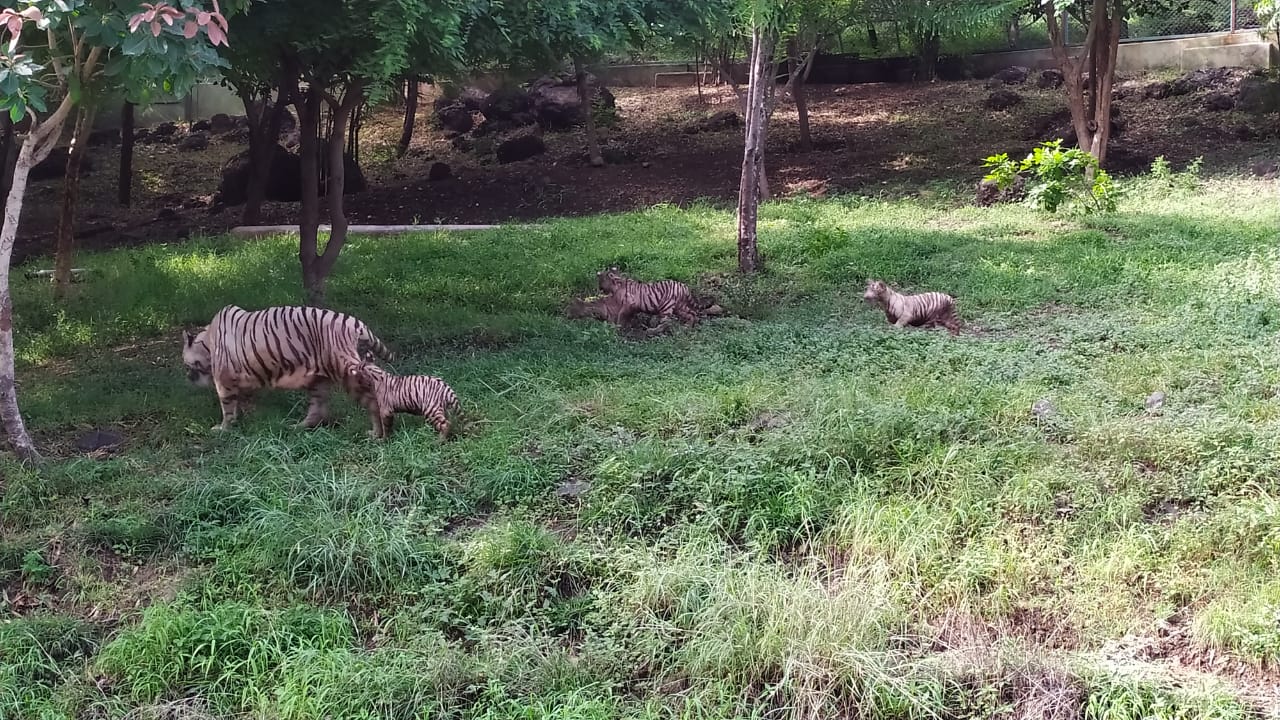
x=929, y=309
x=384, y=394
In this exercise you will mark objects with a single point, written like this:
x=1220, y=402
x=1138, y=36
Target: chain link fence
x=1191, y=18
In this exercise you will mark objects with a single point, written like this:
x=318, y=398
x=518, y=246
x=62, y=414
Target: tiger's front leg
x=318, y=410
x=229, y=399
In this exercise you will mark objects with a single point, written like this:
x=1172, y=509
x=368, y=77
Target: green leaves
x=1057, y=176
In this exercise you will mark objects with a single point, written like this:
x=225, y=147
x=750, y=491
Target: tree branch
x=53, y=54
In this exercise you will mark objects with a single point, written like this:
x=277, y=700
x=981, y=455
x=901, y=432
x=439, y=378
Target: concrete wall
x=1244, y=48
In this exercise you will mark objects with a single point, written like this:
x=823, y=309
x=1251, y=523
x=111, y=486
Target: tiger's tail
x=370, y=345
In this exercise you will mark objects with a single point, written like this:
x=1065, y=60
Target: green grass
x=794, y=511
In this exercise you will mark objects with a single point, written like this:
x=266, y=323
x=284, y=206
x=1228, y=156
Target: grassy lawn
x=795, y=511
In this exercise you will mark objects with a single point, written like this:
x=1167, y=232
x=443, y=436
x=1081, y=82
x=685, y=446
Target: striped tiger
x=384, y=394
x=929, y=309
x=296, y=348
x=664, y=298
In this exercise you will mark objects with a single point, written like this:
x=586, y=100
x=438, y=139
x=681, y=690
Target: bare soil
x=873, y=139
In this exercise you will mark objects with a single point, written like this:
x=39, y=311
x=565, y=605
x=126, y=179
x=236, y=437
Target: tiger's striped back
x=287, y=346
x=663, y=297
x=925, y=309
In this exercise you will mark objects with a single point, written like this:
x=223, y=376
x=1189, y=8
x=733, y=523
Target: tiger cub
x=384, y=394
x=664, y=298
x=929, y=309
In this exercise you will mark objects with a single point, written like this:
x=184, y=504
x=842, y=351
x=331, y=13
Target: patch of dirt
x=870, y=139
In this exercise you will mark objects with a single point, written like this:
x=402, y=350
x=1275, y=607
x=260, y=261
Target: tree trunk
x=264, y=135
x=585, y=98
x=308, y=107
x=70, y=196
x=872, y=38
x=410, y=117
x=762, y=42
x=316, y=266
x=928, y=48
x=124, y=185
x=8, y=153
x=37, y=146
x=1090, y=109
x=798, y=72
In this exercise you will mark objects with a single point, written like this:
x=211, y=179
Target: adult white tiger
x=288, y=347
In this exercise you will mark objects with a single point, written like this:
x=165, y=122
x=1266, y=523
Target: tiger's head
x=609, y=279
x=876, y=291
x=197, y=358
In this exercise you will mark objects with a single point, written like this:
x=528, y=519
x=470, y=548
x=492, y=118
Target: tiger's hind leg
x=438, y=420
x=687, y=315
x=318, y=409
x=950, y=320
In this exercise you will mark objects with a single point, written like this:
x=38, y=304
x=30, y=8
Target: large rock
x=285, y=181
x=1050, y=79
x=505, y=102
x=723, y=120
x=1206, y=79
x=221, y=123
x=1012, y=75
x=194, y=142
x=455, y=117
x=1003, y=100
x=1259, y=94
x=55, y=166
x=1219, y=102
x=555, y=101
x=520, y=147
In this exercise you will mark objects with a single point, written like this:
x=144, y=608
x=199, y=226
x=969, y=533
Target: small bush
x=1058, y=177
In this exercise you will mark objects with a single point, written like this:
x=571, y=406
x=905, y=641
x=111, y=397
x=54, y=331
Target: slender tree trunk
x=929, y=47
x=308, y=107
x=872, y=38
x=70, y=197
x=8, y=153
x=410, y=117
x=762, y=42
x=585, y=98
x=1090, y=108
x=37, y=146
x=798, y=72
x=316, y=266
x=264, y=135
x=124, y=185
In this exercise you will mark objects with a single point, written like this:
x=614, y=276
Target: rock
x=201, y=126
x=506, y=101
x=1259, y=94
x=141, y=135
x=520, y=147
x=99, y=441
x=1012, y=75
x=439, y=171
x=1126, y=160
x=556, y=107
x=221, y=123
x=989, y=193
x=462, y=144
x=473, y=99
x=1219, y=102
x=1205, y=79
x=282, y=184
x=194, y=142
x=1155, y=401
x=164, y=130
x=1050, y=79
x=1266, y=169
x=573, y=488
x=1043, y=410
x=1001, y=100
x=55, y=166
x=645, y=164
x=455, y=117
x=722, y=120
x=167, y=214
x=1157, y=90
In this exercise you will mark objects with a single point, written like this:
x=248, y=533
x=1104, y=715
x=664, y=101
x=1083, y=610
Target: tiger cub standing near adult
x=929, y=309
x=287, y=347
x=664, y=298
x=384, y=394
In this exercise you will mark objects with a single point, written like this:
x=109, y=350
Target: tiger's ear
x=188, y=338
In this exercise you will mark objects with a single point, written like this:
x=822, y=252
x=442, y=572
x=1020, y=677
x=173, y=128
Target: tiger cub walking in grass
x=929, y=309
x=384, y=394
x=664, y=298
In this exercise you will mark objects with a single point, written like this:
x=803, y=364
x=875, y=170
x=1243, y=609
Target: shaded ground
x=870, y=139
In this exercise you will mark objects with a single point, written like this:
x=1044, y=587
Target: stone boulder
x=1002, y=100
x=194, y=142
x=505, y=102
x=990, y=194
x=455, y=118
x=1219, y=102
x=1258, y=94
x=164, y=130
x=555, y=102
x=520, y=147
x=439, y=171
x=222, y=123
x=283, y=184
x=1012, y=75
x=1206, y=79
x=1050, y=79
x=201, y=126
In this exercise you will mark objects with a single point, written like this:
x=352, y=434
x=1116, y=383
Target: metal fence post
x=1066, y=28
x=1233, y=15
